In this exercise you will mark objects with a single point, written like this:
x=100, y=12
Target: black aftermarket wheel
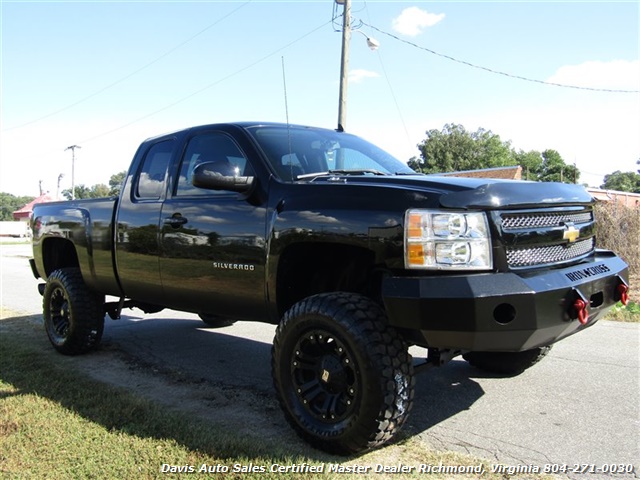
x=73, y=314
x=343, y=376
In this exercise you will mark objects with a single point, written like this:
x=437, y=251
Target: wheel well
x=58, y=253
x=311, y=268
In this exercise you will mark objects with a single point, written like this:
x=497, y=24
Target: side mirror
x=207, y=176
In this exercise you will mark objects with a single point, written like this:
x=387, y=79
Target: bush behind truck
x=352, y=254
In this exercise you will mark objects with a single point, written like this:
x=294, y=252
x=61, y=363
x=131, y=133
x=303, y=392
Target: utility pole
x=73, y=169
x=344, y=64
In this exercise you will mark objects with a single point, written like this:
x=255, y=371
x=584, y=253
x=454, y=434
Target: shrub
x=618, y=229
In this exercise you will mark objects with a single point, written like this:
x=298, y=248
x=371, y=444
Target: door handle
x=176, y=220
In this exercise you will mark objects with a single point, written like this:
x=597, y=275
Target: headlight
x=437, y=240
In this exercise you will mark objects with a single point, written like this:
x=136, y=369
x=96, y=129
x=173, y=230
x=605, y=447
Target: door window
x=217, y=148
x=151, y=180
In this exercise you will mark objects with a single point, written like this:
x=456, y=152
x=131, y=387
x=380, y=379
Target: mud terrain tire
x=344, y=377
x=73, y=314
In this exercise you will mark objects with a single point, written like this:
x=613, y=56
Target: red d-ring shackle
x=581, y=309
x=623, y=291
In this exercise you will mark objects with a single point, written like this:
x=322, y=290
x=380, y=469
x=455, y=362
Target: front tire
x=73, y=314
x=344, y=377
x=506, y=363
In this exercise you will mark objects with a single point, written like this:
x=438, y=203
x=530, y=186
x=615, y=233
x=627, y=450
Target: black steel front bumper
x=503, y=311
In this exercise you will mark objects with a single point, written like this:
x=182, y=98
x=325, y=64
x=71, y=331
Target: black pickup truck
x=352, y=254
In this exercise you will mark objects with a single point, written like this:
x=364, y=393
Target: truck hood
x=517, y=193
x=484, y=193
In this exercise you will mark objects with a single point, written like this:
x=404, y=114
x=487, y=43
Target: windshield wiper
x=355, y=171
x=358, y=171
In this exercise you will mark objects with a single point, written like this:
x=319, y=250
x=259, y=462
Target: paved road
x=579, y=406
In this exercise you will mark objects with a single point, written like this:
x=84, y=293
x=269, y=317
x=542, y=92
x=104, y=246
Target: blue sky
x=106, y=75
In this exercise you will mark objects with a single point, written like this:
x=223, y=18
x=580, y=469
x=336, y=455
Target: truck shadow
x=442, y=393
x=187, y=355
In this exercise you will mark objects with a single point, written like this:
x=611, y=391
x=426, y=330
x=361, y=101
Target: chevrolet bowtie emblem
x=571, y=233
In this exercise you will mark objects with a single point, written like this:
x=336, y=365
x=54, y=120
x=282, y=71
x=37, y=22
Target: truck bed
x=85, y=224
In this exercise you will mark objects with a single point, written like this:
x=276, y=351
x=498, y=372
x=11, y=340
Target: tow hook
x=622, y=291
x=580, y=307
x=580, y=310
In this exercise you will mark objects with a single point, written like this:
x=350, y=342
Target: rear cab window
x=151, y=180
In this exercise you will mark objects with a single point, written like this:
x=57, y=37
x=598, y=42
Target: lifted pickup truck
x=351, y=253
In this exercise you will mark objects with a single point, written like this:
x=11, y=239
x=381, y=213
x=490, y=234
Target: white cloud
x=316, y=217
x=357, y=75
x=614, y=75
x=412, y=21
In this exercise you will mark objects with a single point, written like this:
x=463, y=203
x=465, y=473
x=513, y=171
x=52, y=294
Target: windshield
x=303, y=153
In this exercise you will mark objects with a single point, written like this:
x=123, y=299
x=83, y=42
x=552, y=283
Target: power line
x=126, y=77
x=393, y=95
x=208, y=86
x=497, y=72
x=197, y=92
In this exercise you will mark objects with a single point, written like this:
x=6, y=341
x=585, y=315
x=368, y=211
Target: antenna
x=286, y=108
x=284, y=82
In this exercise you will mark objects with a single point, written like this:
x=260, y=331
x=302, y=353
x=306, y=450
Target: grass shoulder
x=629, y=313
x=58, y=422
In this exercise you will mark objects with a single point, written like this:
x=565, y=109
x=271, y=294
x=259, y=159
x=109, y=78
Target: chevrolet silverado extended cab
x=352, y=254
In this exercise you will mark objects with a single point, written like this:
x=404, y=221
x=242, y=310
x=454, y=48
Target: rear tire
x=73, y=314
x=344, y=377
x=506, y=363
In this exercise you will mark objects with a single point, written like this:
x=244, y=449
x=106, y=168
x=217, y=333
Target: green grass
x=56, y=422
x=628, y=313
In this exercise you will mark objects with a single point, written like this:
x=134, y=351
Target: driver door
x=213, y=241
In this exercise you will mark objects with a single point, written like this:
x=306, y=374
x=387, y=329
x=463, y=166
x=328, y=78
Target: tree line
x=100, y=190
x=455, y=149
x=10, y=203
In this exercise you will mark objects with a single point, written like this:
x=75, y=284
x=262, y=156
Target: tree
x=456, y=149
x=10, y=203
x=547, y=166
x=531, y=163
x=622, y=181
x=115, y=182
x=554, y=169
x=99, y=190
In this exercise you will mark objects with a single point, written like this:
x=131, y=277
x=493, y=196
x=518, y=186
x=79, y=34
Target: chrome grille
x=544, y=219
x=548, y=254
x=542, y=237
